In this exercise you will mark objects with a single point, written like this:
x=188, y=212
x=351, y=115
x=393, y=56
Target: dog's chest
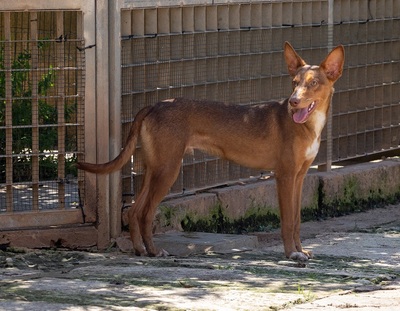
x=312, y=150
x=319, y=123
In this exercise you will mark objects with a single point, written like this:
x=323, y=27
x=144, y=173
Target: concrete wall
x=344, y=190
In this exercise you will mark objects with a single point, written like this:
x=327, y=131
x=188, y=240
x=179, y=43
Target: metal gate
x=42, y=115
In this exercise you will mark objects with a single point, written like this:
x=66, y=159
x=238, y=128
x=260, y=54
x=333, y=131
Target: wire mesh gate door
x=42, y=80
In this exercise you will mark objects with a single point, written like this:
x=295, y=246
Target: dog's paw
x=141, y=253
x=299, y=257
x=162, y=253
x=309, y=254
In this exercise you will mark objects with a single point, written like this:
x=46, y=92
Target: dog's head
x=312, y=85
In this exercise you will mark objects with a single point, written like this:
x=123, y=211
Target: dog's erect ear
x=333, y=63
x=293, y=60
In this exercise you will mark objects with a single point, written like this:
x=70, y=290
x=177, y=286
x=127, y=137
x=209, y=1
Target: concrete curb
x=325, y=194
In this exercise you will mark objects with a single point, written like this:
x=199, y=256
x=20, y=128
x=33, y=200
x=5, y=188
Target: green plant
x=218, y=222
x=22, y=118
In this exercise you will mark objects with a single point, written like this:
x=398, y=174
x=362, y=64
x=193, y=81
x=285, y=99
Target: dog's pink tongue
x=300, y=115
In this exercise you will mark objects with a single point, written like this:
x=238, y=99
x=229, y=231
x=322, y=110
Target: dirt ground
x=356, y=267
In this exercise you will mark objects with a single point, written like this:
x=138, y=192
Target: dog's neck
x=318, y=119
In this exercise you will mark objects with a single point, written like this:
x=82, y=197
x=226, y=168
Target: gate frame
x=47, y=227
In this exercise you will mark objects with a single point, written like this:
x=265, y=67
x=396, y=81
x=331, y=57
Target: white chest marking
x=319, y=119
x=312, y=150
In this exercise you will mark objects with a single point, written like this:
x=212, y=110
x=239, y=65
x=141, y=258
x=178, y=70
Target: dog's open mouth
x=301, y=115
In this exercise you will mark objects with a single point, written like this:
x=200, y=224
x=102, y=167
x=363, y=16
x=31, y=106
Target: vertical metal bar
x=80, y=107
x=130, y=23
x=60, y=84
x=33, y=19
x=8, y=123
x=329, y=138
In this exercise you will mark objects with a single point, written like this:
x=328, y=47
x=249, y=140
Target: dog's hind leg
x=159, y=183
x=134, y=227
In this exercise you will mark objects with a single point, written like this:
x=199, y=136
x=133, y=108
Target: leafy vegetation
x=22, y=115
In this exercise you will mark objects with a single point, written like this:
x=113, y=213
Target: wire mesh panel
x=231, y=53
x=366, y=105
x=41, y=109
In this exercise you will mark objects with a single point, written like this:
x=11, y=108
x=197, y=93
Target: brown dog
x=279, y=136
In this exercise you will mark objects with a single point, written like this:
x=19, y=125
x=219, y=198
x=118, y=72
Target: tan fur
x=264, y=137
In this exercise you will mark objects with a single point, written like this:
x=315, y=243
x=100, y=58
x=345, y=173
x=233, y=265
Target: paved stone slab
x=190, y=243
x=382, y=300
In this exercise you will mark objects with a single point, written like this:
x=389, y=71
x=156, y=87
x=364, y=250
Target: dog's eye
x=314, y=83
x=295, y=83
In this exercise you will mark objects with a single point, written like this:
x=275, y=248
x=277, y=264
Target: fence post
x=102, y=121
x=115, y=113
x=327, y=167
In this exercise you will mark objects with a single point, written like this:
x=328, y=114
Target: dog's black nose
x=294, y=101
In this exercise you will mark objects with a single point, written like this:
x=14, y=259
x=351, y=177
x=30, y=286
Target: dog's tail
x=125, y=154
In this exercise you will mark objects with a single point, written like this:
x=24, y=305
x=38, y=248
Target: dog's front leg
x=286, y=186
x=297, y=210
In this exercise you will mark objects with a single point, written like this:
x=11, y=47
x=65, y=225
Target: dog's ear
x=293, y=60
x=333, y=63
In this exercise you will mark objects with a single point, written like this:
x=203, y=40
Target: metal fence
x=233, y=52
x=366, y=109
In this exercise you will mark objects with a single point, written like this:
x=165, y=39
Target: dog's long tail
x=125, y=154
